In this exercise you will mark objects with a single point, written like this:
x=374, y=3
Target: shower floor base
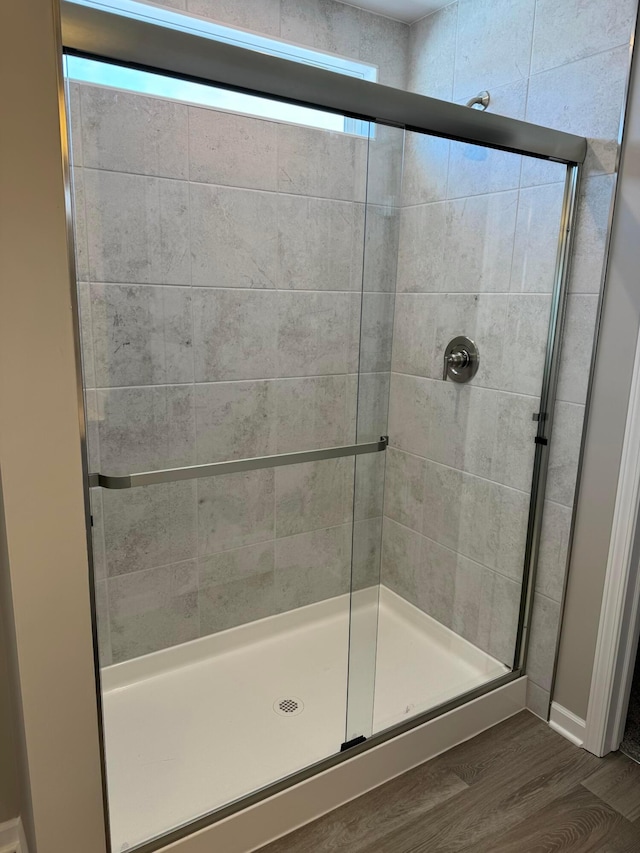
x=194, y=727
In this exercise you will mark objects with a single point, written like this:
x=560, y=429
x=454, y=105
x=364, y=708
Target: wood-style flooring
x=517, y=788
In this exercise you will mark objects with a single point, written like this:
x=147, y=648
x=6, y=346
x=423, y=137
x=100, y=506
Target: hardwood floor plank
x=496, y=805
x=374, y=815
x=579, y=822
x=617, y=782
x=517, y=788
x=505, y=745
x=624, y=839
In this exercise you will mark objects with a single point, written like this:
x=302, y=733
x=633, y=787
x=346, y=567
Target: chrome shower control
x=461, y=360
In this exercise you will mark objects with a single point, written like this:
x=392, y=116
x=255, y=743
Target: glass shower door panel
x=477, y=253
x=219, y=261
x=382, y=221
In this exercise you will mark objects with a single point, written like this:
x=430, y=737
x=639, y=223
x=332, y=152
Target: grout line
x=457, y=553
x=395, y=449
x=214, y=288
x=232, y=187
x=194, y=385
x=462, y=198
x=198, y=558
x=613, y=49
x=532, y=397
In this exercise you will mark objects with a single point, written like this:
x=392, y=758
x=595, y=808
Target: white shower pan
x=194, y=727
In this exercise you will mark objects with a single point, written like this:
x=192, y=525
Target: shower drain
x=289, y=706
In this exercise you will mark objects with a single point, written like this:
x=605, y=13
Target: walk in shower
x=319, y=349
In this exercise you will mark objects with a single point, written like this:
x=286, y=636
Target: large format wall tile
x=234, y=240
x=594, y=211
x=525, y=343
x=235, y=510
x=312, y=566
x=554, y=548
x=321, y=163
x=470, y=245
x=367, y=407
x=432, y=53
x=422, y=271
x=142, y=335
x=482, y=520
x=313, y=333
x=233, y=150
x=536, y=238
x=311, y=413
x=153, y=609
x=313, y=495
x=149, y=526
x=584, y=97
x=372, y=316
x=323, y=24
x=404, y=488
x=401, y=555
x=236, y=587
x=484, y=432
x=479, y=242
x=426, y=164
x=319, y=243
x=480, y=64
x=384, y=43
x=474, y=170
x=575, y=29
x=425, y=323
x=564, y=452
x=382, y=232
x=235, y=334
x=368, y=482
x=366, y=553
x=235, y=420
x=137, y=228
x=261, y=16
x=126, y=132
x=579, y=331
x=542, y=642
x=145, y=428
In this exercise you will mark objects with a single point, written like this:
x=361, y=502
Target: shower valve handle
x=457, y=359
x=461, y=360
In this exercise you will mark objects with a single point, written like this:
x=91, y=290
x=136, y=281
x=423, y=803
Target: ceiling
x=402, y=10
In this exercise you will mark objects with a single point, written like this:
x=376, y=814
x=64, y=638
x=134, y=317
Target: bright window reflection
x=107, y=74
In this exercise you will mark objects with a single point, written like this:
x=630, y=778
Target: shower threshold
x=191, y=728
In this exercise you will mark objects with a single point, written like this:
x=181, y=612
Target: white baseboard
x=12, y=838
x=567, y=724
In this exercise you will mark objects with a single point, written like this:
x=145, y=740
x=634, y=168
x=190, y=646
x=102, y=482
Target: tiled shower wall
x=476, y=258
x=564, y=65
x=220, y=261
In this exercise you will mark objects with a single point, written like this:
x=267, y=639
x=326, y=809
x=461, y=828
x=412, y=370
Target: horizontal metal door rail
x=92, y=32
x=234, y=466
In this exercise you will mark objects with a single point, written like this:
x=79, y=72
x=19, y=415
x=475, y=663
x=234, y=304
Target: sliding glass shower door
x=316, y=366
x=220, y=268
